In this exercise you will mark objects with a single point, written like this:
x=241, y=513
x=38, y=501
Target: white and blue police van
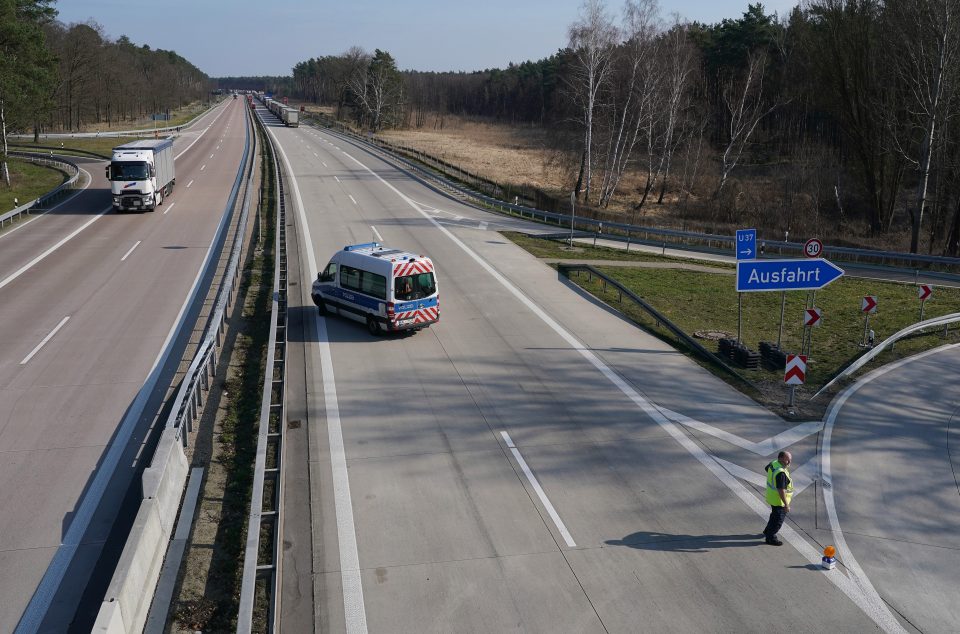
x=388, y=289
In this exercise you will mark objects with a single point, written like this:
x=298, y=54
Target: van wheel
x=321, y=308
x=372, y=326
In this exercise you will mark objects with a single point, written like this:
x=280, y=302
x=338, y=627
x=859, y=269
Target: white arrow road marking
x=802, y=477
x=762, y=448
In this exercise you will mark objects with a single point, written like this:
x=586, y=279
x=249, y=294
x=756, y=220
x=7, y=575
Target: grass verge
x=28, y=181
x=701, y=301
x=99, y=145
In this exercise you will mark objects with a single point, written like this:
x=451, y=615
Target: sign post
x=811, y=319
x=795, y=373
x=746, y=248
x=573, y=214
x=869, y=306
x=923, y=292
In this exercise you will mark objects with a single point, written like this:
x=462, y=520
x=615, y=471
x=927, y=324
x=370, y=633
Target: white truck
x=141, y=174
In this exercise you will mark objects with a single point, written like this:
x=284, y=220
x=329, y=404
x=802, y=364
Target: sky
x=267, y=37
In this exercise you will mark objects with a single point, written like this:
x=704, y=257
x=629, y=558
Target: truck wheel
x=372, y=326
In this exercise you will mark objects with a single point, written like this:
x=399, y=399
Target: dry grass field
x=515, y=155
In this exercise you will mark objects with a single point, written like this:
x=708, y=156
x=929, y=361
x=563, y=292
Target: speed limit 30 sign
x=813, y=248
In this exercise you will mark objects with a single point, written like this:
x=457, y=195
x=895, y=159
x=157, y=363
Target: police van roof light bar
x=365, y=245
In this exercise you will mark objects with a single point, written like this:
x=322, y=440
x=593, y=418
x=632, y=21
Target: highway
x=533, y=462
x=90, y=301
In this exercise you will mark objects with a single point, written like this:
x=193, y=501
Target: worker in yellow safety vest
x=779, y=493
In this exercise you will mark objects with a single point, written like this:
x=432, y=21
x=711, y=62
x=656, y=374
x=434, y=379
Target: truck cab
x=141, y=174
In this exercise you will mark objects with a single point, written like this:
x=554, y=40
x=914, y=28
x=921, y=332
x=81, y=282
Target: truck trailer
x=141, y=174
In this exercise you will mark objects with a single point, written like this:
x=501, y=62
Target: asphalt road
x=88, y=301
x=533, y=462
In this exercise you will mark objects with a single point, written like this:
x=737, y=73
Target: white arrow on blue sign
x=746, y=244
x=785, y=275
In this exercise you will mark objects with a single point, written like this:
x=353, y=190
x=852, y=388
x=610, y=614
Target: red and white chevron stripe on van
x=402, y=269
x=419, y=316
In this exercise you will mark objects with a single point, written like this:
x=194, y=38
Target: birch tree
x=593, y=41
x=926, y=51
x=637, y=92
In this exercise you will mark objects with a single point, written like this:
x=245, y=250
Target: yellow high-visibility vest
x=773, y=496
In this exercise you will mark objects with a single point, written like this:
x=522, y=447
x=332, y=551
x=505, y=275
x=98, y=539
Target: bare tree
x=637, y=57
x=593, y=40
x=927, y=51
x=746, y=107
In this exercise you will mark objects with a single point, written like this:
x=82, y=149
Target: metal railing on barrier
x=628, y=233
x=659, y=318
x=131, y=590
x=267, y=495
x=53, y=195
x=928, y=324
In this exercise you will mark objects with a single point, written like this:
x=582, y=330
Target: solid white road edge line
x=355, y=616
x=843, y=551
x=63, y=202
x=26, y=267
x=127, y=254
x=552, y=512
x=42, y=597
x=169, y=207
x=871, y=605
x=27, y=358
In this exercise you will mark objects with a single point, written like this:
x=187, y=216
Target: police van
x=388, y=289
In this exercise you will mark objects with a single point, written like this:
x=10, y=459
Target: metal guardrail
x=261, y=565
x=134, y=583
x=623, y=291
x=43, y=201
x=935, y=322
x=637, y=233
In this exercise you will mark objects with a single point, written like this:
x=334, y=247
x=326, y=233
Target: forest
x=58, y=77
x=837, y=119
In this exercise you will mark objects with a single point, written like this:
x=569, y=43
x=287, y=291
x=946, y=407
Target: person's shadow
x=646, y=540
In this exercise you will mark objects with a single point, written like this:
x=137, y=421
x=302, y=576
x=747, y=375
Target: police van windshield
x=130, y=171
x=416, y=286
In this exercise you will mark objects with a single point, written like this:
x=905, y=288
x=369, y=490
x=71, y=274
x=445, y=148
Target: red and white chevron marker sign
x=811, y=316
x=869, y=304
x=796, y=370
x=924, y=291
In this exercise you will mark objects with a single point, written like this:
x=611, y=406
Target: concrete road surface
x=895, y=458
x=532, y=462
x=88, y=302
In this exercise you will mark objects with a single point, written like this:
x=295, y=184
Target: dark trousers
x=777, y=515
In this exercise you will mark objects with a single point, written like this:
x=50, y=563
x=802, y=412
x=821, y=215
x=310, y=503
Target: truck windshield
x=130, y=171
x=411, y=287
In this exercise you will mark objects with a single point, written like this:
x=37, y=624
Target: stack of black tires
x=773, y=357
x=739, y=354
